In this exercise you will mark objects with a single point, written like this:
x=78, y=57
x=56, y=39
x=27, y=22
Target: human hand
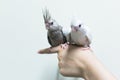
x=70, y=58
x=76, y=61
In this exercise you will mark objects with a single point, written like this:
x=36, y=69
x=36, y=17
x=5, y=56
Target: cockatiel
x=80, y=34
x=55, y=33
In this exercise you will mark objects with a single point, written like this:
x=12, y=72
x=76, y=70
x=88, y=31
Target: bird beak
x=75, y=29
x=47, y=25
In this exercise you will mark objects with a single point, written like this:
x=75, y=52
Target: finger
x=49, y=50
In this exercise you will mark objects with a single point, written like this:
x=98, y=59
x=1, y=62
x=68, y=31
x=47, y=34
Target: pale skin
x=75, y=61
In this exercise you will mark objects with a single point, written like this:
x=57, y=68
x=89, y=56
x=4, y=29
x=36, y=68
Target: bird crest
x=46, y=15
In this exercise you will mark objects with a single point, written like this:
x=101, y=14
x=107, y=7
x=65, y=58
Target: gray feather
x=56, y=38
x=46, y=15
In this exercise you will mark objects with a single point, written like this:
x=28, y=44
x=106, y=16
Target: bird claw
x=64, y=46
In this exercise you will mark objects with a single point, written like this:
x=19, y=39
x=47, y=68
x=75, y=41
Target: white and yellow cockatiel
x=80, y=34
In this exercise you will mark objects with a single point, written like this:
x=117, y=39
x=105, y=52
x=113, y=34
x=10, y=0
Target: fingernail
x=39, y=52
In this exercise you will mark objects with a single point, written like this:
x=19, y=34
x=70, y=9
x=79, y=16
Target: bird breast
x=78, y=38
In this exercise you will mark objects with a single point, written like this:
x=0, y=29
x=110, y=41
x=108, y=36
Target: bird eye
x=80, y=25
x=51, y=23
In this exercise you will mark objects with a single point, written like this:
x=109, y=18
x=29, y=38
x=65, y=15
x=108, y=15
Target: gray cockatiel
x=55, y=33
x=80, y=34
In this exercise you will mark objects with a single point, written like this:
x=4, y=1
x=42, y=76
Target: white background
x=22, y=34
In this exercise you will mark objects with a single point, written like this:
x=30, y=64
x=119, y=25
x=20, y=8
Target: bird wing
x=49, y=40
x=88, y=34
x=88, y=38
x=64, y=37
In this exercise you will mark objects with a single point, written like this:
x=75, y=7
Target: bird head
x=76, y=24
x=50, y=23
